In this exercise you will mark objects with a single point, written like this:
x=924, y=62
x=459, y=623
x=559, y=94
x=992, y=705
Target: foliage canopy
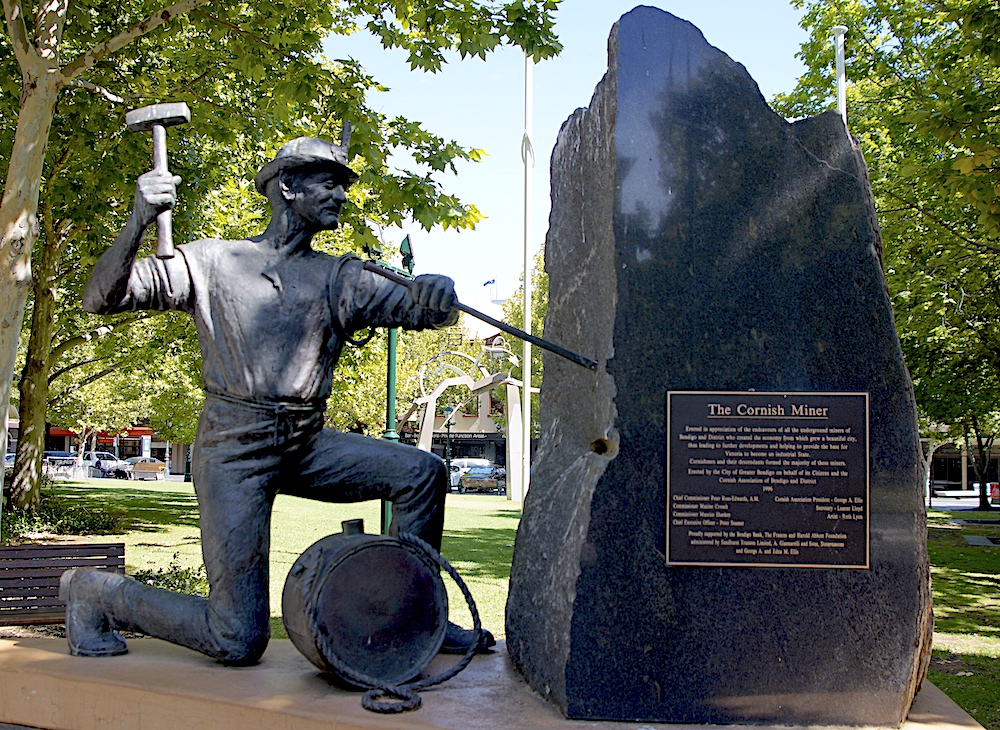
x=923, y=104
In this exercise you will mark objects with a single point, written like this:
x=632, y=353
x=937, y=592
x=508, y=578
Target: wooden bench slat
x=21, y=589
x=64, y=564
x=57, y=551
x=27, y=584
x=7, y=594
x=57, y=554
x=36, y=618
x=9, y=599
x=10, y=563
x=14, y=576
x=50, y=602
x=16, y=563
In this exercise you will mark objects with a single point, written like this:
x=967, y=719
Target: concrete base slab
x=158, y=686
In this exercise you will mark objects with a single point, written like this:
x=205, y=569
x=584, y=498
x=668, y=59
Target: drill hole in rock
x=604, y=447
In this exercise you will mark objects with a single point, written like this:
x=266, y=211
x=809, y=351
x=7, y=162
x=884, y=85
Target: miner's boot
x=458, y=640
x=89, y=596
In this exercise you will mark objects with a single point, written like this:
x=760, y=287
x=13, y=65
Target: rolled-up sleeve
x=362, y=299
x=159, y=284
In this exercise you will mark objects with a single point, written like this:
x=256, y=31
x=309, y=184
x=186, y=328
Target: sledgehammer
x=157, y=118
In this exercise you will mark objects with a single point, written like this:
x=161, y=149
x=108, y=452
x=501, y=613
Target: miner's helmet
x=311, y=154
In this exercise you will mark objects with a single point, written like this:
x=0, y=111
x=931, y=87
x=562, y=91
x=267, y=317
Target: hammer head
x=167, y=115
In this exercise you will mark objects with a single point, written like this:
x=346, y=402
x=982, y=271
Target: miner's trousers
x=244, y=455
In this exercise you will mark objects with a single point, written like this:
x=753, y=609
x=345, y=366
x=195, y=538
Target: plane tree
x=922, y=103
x=254, y=75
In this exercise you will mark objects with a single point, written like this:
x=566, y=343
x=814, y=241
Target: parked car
x=483, y=479
x=103, y=460
x=461, y=465
x=59, y=458
x=146, y=467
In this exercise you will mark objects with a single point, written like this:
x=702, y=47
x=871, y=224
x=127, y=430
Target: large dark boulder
x=699, y=242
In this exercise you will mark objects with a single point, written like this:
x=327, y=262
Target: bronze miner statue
x=273, y=316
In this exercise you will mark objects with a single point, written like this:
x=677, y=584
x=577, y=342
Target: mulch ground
x=57, y=631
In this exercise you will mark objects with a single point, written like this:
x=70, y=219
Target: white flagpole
x=838, y=39
x=528, y=158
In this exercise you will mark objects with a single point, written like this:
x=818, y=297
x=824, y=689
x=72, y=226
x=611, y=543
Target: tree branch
x=63, y=159
x=256, y=39
x=73, y=366
x=209, y=102
x=49, y=22
x=86, y=381
x=87, y=85
x=56, y=241
x=105, y=329
x=942, y=224
x=101, y=50
x=18, y=30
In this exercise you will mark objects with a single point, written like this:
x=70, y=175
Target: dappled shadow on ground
x=964, y=579
x=966, y=602
x=149, y=509
x=488, y=550
x=970, y=680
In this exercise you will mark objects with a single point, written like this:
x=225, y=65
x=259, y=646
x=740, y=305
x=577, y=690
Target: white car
x=108, y=462
x=462, y=465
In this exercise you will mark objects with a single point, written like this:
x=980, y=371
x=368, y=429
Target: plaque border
x=868, y=480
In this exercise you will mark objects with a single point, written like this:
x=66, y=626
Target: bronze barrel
x=372, y=603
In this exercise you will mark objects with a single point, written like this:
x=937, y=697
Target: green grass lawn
x=478, y=536
x=966, y=585
x=479, y=542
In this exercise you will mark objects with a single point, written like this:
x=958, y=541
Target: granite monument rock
x=725, y=523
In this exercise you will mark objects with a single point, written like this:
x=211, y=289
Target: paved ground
x=952, y=503
x=945, y=503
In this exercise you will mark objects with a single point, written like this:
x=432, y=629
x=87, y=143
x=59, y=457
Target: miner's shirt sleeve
x=362, y=299
x=161, y=284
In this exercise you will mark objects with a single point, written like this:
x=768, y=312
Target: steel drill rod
x=502, y=326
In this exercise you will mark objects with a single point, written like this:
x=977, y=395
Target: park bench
x=149, y=470
x=29, y=578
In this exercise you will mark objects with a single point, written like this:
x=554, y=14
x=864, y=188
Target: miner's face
x=318, y=197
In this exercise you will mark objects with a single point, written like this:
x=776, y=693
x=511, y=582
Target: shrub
x=60, y=516
x=176, y=577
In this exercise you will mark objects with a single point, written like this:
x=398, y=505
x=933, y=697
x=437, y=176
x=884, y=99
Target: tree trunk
x=981, y=464
x=985, y=454
x=34, y=385
x=19, y=222
x=927, y=461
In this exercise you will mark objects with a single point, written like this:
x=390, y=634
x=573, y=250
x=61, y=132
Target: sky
x=481, y=104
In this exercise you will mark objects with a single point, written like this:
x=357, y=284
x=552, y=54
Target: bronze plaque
x=767, y=479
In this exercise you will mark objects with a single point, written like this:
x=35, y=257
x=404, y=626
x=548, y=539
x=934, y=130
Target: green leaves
x=253, y=75
x=923, y=104
x=429, y=29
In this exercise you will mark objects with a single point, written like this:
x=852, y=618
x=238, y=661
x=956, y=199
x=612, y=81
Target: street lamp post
x=390, y=416
x=390, y=388
x=390, y=378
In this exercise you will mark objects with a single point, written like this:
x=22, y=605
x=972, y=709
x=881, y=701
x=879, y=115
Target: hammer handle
x=164, y=220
